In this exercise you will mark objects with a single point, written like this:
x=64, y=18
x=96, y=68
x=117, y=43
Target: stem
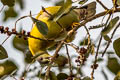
x=73, y=30
x=69, y=61
x=110, y=41
x=5, y=40
x=92, y=73
x=2, y=8
x=102, y=4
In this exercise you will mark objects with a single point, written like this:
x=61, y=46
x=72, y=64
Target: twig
x=92, y=73
x=21, y=34
x=110, y=38
x=69, y=61
x=2, y=8
x=13, y=77
x=69, y=34
x=89, y=40
x=53, y=58
x=98, y=50
x=102, y=4
x=19, y=20
x=5, y=40
x=23, y=18
x=73, y=46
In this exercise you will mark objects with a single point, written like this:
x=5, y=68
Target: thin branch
x=70, y=33
x=21, y=34
x=2, y=8
x=110, y=38
x=73, y=46
x=13, y=77
x=92, y=73
x=102, y=4
x=53, y=58
x=19, y=20
x=89, y=40
x=5, y=40
x=69, y=61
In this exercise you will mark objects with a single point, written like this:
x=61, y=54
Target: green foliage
x=107, y=38
x=20, y=43
x=28, y=56
x=62, y=76
x=110, y=26
x=118, y=2
x=52, y=76
x=99, y=60
x=97, y=26
x=42, y=27
x=21, y=3
x=86, y=78
x=84, y=42
x=113, y=65
x=3, y=53
x=110, y=52
x=9, y=3
x=10, y=13
x=61, y=61
x=116, y=46
x=7, y=67
x=104, y=74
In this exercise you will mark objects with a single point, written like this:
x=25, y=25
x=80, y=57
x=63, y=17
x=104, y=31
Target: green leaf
x=83, y=1
x=53, y=76
x=3, y=53
x=21, y=3
x=86, y=78
x=62, y=76
x=63, y=10
x=97, y=26
x=118, y=2
x=107, y=38
x=20, y=43
x=113, y=65
x=28, y=56
x=110, y=52
x=104, y=74
x=61, y=60
x=110, y=26
x=9, y=3
x=10, y=13
x=92, y=48
x=116, y=46
x=84, y=42
x=99, y=59
x=42, y=26
x=7, y=68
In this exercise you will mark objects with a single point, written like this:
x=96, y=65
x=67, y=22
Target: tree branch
x=110, y=41
x=72, y=31
x=69, y=61
x=102, y=4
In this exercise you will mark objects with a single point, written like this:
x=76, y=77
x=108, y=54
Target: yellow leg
x=74, y=24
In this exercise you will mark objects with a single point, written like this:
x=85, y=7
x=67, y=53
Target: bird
x=57, y=30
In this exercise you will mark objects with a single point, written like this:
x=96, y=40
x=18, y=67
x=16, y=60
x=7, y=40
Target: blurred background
x=17, y=49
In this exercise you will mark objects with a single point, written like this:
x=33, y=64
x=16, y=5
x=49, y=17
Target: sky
x=35, y=6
